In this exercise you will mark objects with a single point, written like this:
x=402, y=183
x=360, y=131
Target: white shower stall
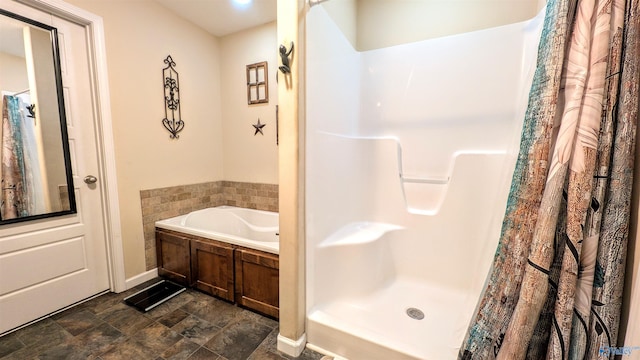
x=410, y=151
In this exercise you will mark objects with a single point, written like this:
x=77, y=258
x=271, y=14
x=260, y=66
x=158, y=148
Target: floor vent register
x=154, y=295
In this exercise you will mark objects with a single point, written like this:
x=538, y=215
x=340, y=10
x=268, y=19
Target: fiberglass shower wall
x=421, y=137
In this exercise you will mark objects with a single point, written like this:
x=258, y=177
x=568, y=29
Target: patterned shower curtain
x=555, y=287
x=20, y=172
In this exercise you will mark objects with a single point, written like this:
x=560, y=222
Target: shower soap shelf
x=361, y=232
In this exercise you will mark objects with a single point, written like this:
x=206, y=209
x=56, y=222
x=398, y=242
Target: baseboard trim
x=140, y=278
x=292, y=347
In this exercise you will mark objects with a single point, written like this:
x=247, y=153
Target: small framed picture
x=257, y=83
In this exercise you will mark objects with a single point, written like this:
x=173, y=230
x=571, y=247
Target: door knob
x=90, y=179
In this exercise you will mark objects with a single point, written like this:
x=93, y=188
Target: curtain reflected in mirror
x=35, y=167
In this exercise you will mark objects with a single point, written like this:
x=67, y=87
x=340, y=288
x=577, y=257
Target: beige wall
x=373, y=24
x=384, y=23
x=345, y=14
x=291, y=171
x=248, y=157
x=13, y=73
x=139, y=36
x=42, y=85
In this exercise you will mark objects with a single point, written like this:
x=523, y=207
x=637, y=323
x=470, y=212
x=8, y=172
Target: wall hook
x=284, y=57
x=32, y=111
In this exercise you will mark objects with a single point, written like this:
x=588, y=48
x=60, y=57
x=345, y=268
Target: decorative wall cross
x=172, y=119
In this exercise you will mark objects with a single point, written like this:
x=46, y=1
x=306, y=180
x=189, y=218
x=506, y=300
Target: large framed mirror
x=35, y=166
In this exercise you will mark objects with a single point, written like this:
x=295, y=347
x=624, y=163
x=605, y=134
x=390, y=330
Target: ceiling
x=218, y=17
x=223, y=17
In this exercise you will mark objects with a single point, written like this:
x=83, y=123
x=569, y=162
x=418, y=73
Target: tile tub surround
x=250, y=195
x=164, y=203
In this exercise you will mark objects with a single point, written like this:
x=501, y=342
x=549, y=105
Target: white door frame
x=108, y=185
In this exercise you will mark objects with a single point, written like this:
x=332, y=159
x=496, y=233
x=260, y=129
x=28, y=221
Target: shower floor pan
x=384, y=325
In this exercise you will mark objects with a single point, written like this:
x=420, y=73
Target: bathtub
x=255, y=229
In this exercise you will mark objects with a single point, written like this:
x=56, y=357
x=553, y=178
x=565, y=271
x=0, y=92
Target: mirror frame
x=53, y=33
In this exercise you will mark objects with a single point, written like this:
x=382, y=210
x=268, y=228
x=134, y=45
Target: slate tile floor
x=190, y=326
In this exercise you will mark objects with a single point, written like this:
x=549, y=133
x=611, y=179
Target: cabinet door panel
x=212, y=268
x=257, y=279
x=173, y=252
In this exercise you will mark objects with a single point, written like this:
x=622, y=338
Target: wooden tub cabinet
x=234, y=273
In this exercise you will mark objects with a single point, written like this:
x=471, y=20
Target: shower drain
x=415, y=313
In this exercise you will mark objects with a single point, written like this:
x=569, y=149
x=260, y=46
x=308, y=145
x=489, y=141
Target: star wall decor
x=258, y=128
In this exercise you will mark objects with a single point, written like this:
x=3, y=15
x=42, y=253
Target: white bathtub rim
x=174, y=224
x=231, y=211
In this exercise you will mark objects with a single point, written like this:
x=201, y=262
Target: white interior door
x=48, y=264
